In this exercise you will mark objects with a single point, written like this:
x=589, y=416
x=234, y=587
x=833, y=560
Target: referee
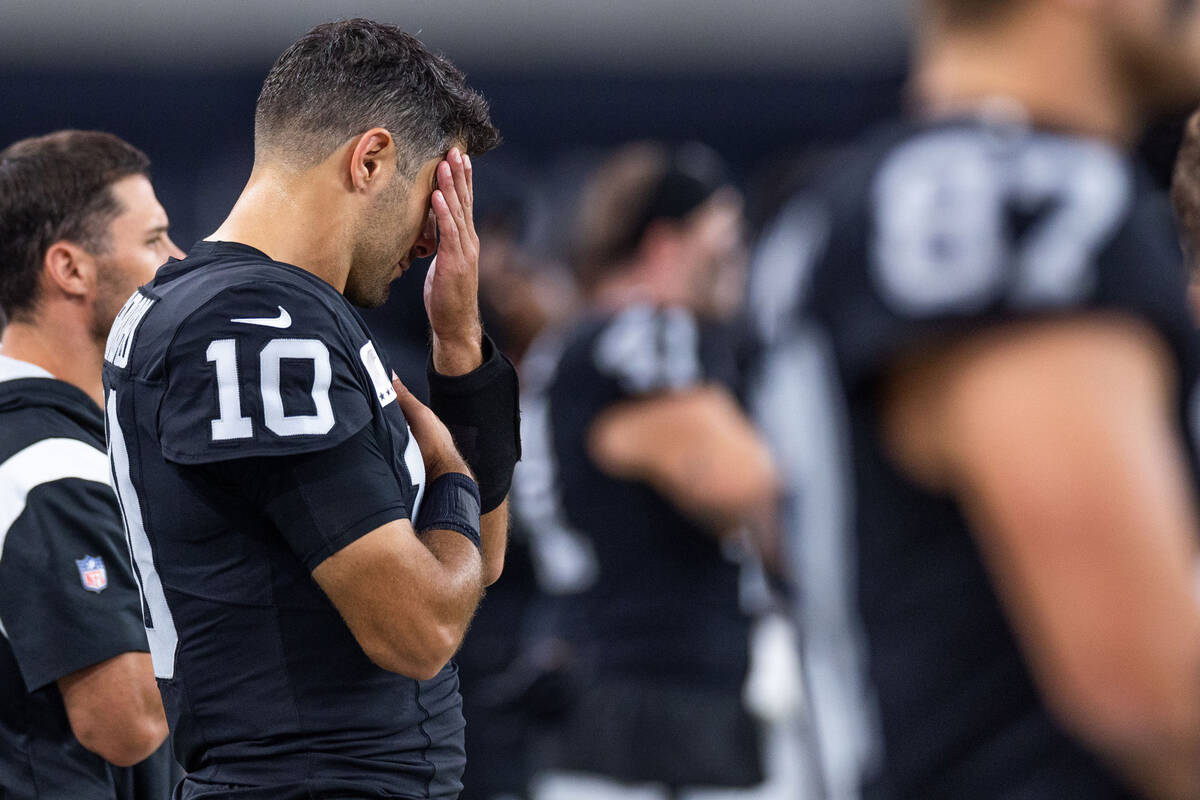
x=80, y=715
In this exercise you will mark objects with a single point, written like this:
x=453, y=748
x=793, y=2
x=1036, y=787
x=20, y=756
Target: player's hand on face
x=452, y=284
x=437, y=445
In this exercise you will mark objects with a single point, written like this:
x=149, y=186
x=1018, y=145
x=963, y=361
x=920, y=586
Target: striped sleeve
x=68, y=598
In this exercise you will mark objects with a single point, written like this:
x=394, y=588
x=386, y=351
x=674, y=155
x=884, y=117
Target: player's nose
x=426, y=244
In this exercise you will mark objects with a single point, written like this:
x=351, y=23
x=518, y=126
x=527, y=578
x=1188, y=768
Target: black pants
x=637, y=730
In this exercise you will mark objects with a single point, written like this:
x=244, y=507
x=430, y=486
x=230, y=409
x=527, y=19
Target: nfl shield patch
x=92, y=574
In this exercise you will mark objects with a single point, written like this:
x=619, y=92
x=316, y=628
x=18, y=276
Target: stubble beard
x=111, y=296
x=376, y=254
x=370, y=276
x=369, y=286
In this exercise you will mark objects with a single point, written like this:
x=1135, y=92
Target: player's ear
x=373, y=155
x=70, y=269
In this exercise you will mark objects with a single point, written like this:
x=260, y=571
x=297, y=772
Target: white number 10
x=232, y=424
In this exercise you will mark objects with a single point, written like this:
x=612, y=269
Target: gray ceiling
x=626, y=35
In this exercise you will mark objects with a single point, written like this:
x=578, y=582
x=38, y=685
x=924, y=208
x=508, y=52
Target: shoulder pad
x=264, y=369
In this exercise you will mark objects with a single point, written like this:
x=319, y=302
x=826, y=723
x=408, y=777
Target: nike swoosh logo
x=284, y=320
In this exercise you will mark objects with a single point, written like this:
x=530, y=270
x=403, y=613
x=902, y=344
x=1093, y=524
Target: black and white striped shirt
x=68, y=599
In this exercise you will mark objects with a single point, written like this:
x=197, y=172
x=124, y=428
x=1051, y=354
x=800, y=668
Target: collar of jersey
x=205, y=249
x=12, y=369
x=24, y=385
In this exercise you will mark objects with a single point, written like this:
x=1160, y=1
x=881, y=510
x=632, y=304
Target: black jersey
x=68, y=599
x=934, y=231
x=253, y=432
x=662, y=599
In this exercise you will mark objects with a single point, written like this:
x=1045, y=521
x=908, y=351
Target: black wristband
x=483, y=413
x=451, y=503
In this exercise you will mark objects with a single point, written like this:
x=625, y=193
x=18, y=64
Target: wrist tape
x=451, y=503
x=481, y=410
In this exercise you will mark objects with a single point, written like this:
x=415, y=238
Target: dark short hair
x=343, y=78
x=639, y=184
x=53, y=188
x=1185, y=191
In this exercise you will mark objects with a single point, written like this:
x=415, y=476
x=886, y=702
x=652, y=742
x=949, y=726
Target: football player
x=80, y=715
x=640, y=455
x=985, y=413
x=310, y=542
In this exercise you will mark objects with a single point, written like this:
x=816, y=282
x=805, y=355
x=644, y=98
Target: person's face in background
x=713, y=244
x=136, y=245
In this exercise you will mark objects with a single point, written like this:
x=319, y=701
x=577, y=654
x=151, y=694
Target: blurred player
x=310, y=563
x=993, y=386
x=637, y=445
x=80, y=716
x=518, y=295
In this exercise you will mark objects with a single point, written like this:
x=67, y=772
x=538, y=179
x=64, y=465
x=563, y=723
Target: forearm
x=407, y=598
x=695, y=447
x=420, y=626
x=481, y=409
x=114, y=708
x=472, y=387
x=725, y=508
x=494, y=528
x=456, y=586
x=1146, y=719
x=461, y=353
x=725, y=487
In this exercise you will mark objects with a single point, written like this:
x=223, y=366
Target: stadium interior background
x=768, y=86
x=772, y=85
x=565, y=80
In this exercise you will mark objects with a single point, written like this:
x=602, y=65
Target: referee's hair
x=343, y=78
x=56, y=188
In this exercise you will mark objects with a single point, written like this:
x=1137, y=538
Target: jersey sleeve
x=959, y=230
x=646, y=350
x=263, y=369
x=323, y=500
x=68, y=599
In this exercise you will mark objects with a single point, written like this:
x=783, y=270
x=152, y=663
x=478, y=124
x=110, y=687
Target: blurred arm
x=1058, y=439
x=114, y=708
x=695, y=447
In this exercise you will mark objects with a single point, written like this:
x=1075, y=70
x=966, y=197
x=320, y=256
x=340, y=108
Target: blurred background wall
x=772, y=85
x=755, y=80
x=762, y=82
